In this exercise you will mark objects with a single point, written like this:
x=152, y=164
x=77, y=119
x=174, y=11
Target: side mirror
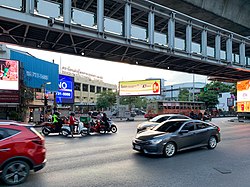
x=183, y=131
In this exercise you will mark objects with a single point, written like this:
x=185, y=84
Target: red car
x=21, y=149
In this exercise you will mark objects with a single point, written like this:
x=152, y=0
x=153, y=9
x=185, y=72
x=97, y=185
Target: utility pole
x=193, y=87
x=45, y=99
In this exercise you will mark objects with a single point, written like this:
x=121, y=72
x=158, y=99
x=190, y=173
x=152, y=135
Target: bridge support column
x=229, y=49
x=242, y=54
x=29, y=6
x=127, y=20
x=100, y=16
x=218, y=46
x=189, y=38
x=67, y=11
x=171, y=31
x=204, y=43
x=151, y=26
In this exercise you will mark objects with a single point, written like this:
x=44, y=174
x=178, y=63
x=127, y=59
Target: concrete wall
x=229, y=14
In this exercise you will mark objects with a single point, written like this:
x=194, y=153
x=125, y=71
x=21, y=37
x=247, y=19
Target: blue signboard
x=65, y=94
x=36, y=72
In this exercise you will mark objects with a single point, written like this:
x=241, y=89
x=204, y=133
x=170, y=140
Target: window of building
x=77, y=86
x=85, y=87
x=92, y=88
x=104, y=89
x=98, y=89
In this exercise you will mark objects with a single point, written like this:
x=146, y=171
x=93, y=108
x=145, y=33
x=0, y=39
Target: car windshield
x=158, y=118
x=169, y=126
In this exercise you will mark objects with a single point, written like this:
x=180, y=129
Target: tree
x=134, y=101
x=183, y=95
x=209, y=94
x=106, y=100
x=26, y=96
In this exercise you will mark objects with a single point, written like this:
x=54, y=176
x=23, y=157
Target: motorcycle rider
x=72, y=121
x=90, y=121
x=55, y=120
x=105, y=120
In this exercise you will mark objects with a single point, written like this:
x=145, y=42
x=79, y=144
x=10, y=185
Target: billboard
x=140, y=87
x=9, y=74
x=37, y=72
x=243, y=96
x=65, y=93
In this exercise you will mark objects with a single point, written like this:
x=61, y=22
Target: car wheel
x=45, y=132
x=15, y=172
x=212, y=142
x=169, y=149
x=113, y=129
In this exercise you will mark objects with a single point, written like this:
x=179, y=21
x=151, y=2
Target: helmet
x=90, y=113
x=57, y=113
x=72, y=114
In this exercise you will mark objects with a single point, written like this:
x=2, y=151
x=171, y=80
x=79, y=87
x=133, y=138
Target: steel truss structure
x=138, y=32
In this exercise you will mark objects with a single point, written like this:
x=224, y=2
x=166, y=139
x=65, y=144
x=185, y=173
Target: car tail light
x=40, y=139
x=218, y=128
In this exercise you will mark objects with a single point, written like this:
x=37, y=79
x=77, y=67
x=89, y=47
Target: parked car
x=21, y=149
x=158, y=119
x=176, y=135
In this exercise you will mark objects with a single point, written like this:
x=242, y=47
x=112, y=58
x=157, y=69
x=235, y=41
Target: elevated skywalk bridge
x=135, y=32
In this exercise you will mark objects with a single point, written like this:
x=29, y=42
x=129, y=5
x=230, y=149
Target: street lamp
x=44, y=97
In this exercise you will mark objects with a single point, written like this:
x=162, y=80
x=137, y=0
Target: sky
x=112, y=72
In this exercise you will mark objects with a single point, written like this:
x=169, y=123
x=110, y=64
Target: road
x=108, y=160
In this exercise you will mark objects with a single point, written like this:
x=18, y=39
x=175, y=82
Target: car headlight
x=155, y=141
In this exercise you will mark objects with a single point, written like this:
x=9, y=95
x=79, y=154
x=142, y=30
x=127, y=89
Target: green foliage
x=183, y=95
x=13, y=115
x=233, y=89
x=210, y=97
x=135, y=101
x=106, y=100
x=26, y=96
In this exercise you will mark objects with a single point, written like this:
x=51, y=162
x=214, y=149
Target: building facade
x=171, y=92
x=35, y=78
x=87, y=88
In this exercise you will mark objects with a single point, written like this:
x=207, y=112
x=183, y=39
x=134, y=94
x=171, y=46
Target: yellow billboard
x=243, y=96
x=140, y=87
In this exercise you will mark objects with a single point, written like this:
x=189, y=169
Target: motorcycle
x=49, y=127
x=81, y=130
x=99, y=127
x=207, y=117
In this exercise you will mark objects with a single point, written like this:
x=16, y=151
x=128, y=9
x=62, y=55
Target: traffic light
x=45, y=100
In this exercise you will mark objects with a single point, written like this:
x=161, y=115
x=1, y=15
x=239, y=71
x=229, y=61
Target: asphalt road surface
x=109, y=160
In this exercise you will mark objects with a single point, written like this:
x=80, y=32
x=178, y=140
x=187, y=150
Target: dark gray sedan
x=176, y=135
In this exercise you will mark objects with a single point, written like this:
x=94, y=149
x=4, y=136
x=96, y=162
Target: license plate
x=137, y=147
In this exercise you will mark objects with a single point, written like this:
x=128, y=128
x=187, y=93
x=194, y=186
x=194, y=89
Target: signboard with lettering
x=140, y=87
x=243, y=96
x=36, y=72
x=65, y=93
x=9, y=96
